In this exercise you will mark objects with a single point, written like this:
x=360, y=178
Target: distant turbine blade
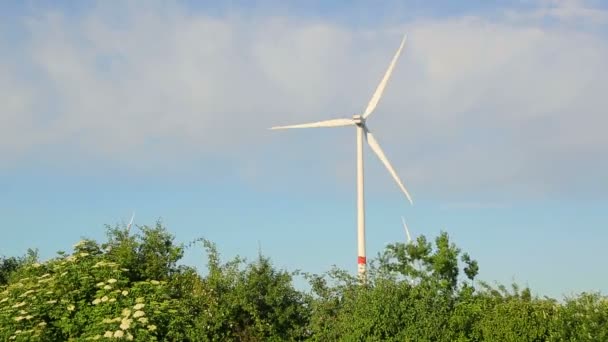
x=374, y=101
x=326, y=123
x=407, y=231
x=131, y=222
x=373, y=143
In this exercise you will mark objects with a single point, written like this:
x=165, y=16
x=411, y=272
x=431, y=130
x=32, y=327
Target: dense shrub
x=131, y=287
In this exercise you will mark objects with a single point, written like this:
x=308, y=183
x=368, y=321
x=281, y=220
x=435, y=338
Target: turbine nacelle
x=358, y=120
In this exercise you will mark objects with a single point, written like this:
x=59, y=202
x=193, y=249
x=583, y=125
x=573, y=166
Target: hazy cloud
x=476, y=104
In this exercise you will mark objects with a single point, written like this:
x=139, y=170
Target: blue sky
x=494, y=118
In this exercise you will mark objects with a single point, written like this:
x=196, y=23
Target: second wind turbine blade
x=326, y=123
x=376, y=97
x=131, y=222
x=407, y=231
x=373, y=144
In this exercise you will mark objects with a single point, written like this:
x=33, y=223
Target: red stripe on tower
x=361, y=260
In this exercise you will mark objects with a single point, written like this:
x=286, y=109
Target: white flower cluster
x=21, y=299
x=21, y=306
x=79, y=244
x=127, y=319
x=106, y=264
x=108, y=285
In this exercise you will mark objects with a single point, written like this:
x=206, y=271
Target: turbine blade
x=376, y=97
x=326, y=123
x=373, y=143
x=407, y=231
x=131, y=222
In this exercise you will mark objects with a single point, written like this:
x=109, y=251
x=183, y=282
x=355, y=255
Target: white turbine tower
x=359, y=121
x=407, y=231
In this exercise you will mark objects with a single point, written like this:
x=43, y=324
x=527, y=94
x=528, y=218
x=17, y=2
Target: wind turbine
x=359, y=121
x=407, y=231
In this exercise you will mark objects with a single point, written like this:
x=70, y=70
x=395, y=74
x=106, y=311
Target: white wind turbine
x=359, y=121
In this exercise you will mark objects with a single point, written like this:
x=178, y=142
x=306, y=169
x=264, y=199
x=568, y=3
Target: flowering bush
x=130, y=288
x=83, y=296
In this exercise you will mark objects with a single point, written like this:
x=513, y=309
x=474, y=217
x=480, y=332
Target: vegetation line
x=130, y=287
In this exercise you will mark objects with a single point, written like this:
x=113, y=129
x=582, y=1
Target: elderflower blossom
x=139, y=306
x=108, y=334
x=126, y=312
x=18, y=305
x=107, y=287
x=125, y=323
x=96, y=301
x=125, y=293
x=71, y=307
x=138, y=314
x=104, y=298
x=118, y=334
x=24, y=294
x=79, y=243
x=139, y=300
x=111, y=281
x=143, y=320
x=152, y=327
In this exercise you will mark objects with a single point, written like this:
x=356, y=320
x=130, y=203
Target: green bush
x=131, y=288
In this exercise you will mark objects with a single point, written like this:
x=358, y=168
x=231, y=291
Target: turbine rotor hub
x=358, y=120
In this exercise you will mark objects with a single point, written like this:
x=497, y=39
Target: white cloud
x=579, y=13
x=476, y=104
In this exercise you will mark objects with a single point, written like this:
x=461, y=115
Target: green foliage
x=582, y=318
x=9, y=266
x=131, y=287
x=411, y=294
x=513, y=315
x=86, y=295
x=151, y=254
x=251, y=302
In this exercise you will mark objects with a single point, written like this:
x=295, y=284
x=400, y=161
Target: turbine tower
x=359, y=121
